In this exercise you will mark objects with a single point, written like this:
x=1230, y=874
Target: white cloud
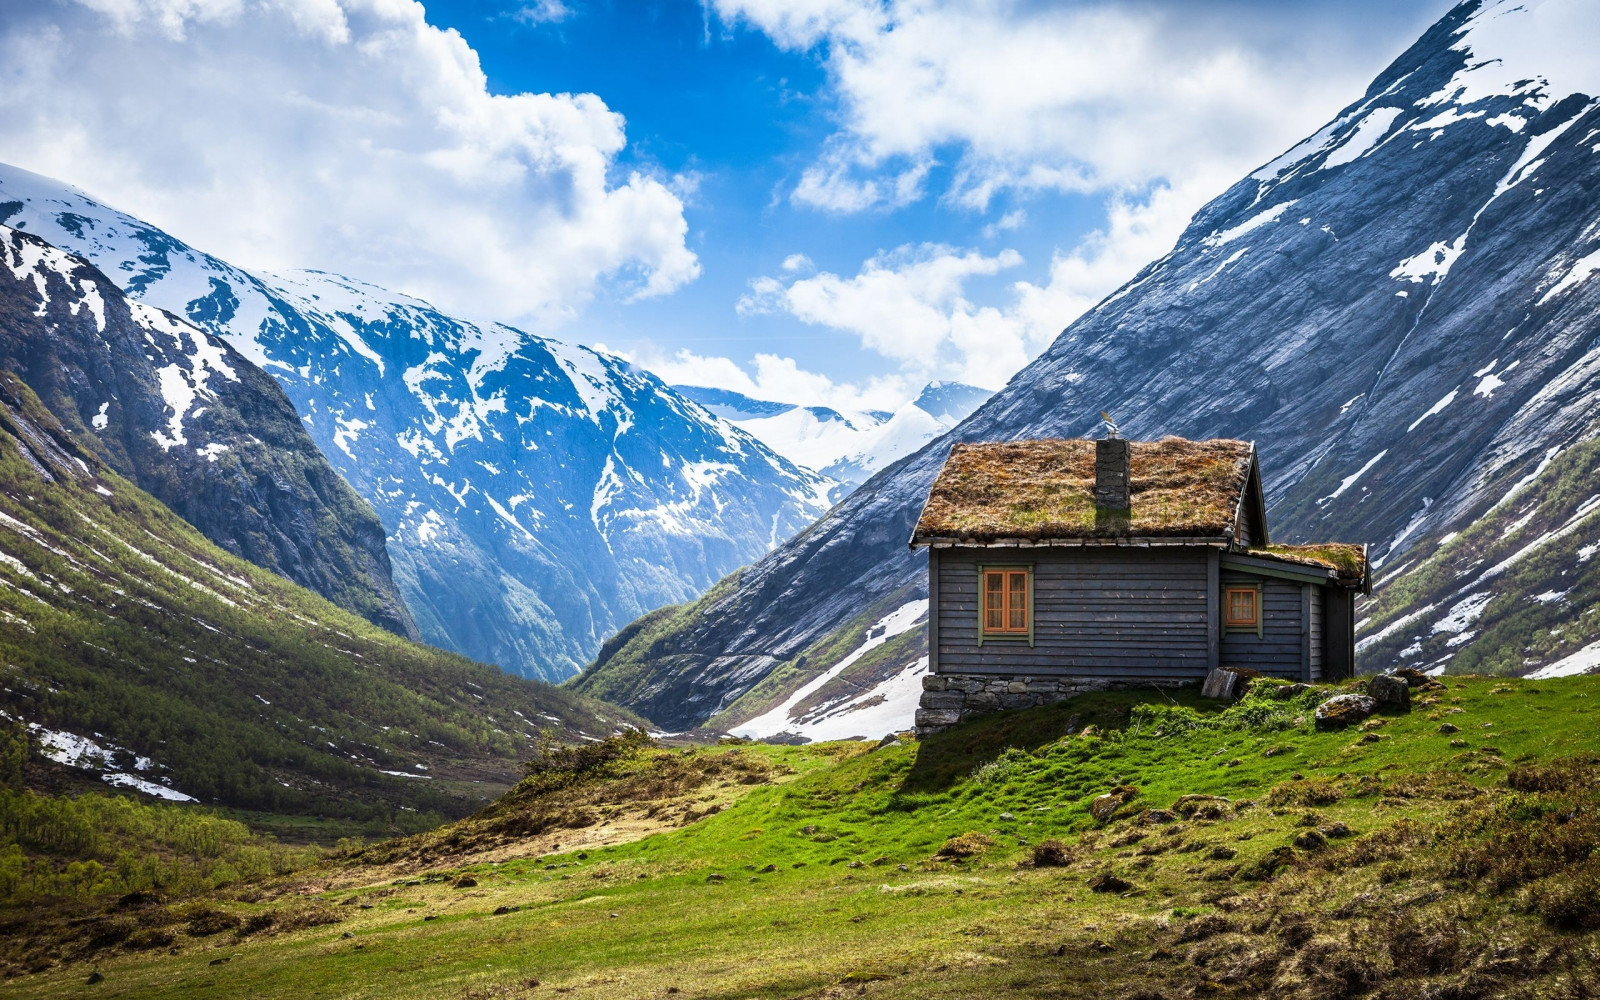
x=912, y=305
x=543, y=12
x=909, y=305
x=344, y=134
x=1033, y=97
x=1155, y=108
x=775, y=378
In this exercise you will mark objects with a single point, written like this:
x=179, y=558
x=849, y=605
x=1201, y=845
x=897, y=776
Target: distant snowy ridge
x=846, y=446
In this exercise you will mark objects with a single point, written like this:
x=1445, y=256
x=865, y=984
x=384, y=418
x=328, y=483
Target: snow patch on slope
x=779, y=720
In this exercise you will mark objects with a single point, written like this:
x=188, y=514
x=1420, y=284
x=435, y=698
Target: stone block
x=983, y=699
x=1390, y=691
x=937, y=717
x=1021, y=700
x=1221, y=683
x=933, y=682
x=943, y=699
x=1016, y=687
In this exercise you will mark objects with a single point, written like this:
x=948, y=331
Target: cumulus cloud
x=775, y=378
x=344, y=134
x=912, y=305
x=1153, y=109
x=909, y=305
x=1038, y=97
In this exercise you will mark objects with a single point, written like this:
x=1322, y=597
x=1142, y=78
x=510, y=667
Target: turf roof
x=1349, y=562
x=1044, y=489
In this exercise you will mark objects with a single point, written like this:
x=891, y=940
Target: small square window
x=1006, y=604
x=1243, y=607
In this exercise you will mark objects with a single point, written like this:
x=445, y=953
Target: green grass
x=1464, y=872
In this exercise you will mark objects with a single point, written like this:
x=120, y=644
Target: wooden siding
x=1315, y=632
x=1280, y=650
x=1115, y=613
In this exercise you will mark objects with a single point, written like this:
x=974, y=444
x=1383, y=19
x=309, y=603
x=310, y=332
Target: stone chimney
x=1113, y=459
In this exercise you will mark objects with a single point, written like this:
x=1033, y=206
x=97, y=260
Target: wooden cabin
x=1061, y=566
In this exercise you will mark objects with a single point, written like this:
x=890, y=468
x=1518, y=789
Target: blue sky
x=819, y=200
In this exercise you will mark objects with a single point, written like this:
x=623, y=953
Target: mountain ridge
x=537, y=495
x=193, y=423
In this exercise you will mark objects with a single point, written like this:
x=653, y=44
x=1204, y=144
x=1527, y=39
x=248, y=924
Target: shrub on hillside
x=967, y=845
x=1052, y=854
x=1571, y=901
x=1305, y=792
x=555, y=764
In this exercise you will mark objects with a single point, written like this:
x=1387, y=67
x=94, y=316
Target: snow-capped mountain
x=192, y=422
x=847, y=446
x=538, y=495
x=1401, y=311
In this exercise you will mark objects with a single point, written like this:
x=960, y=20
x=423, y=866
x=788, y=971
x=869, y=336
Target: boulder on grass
x=1345, y=710
x=1390, y=691
x=1417, y=679
x=1104, y=806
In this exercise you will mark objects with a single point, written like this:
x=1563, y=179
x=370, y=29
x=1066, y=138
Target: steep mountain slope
x=847, y=447
x=1398, y=311
x=193, y=423
x=537, y=495
x=138, y=650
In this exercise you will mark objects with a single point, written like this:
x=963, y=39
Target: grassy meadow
x=1128, y=844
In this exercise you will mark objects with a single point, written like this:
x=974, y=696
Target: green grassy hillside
x=196, y=671
x=1119, y=845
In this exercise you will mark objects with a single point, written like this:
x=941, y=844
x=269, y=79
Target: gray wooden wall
x=1286, y=643
x=1120, y=614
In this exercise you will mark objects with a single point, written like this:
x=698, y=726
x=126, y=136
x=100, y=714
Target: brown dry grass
x=1045, y=489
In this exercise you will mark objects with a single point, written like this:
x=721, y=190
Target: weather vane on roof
x=1111, y=424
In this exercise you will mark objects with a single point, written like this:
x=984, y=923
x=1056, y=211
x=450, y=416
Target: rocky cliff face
x=538, y=495
x=193, y=423
x=1400, y=311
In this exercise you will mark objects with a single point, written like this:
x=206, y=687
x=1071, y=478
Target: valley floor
x=1123, y=844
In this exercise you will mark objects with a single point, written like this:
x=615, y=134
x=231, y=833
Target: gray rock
x=1390, y=691
x=1344, y=710
x=930, y=717
x=1221, y=683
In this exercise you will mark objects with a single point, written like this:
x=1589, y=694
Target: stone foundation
x=951, y=698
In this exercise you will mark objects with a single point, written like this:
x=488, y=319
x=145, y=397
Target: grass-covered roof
x=1044, y=489
x=1349, y=562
